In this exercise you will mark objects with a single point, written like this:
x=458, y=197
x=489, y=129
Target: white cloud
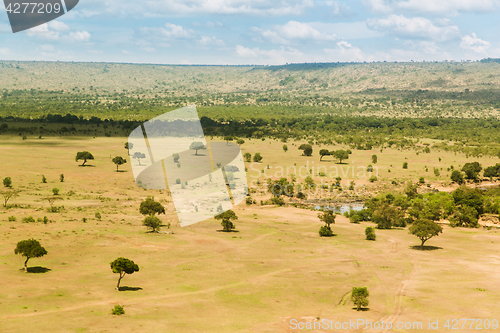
x=346, y=52
x=203, y=7
x=4, y=51
x=206, y=40
x=169, y=31
x=472, y=42
x=415, y=28
x=272, y=57
x=435, y=7
x=79, y=36
x=58, y=26
x=339, y=9
x=292, y=31
x=43, y=31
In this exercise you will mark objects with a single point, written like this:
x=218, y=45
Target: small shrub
x=12, y=219
x=44, y=180
x=61, y=178
x=421, y=180
x=7, y=182
x=249, y=200
x=45, y=220
x=177, y=181
x=117, y=310
x=55, y=190
x=84, y=220
x=370, y=233
x=373, y=179
x=28, y=219
x=98, y=216
x=405, y=165
x=325, y=231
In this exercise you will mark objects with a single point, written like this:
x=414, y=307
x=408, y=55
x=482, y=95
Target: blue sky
x=261, y=32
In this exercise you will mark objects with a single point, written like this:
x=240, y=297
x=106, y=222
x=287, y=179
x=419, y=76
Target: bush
x=257, y=157
x=370, y=233
x=28, y=219
x=7, y=182
x=55, y=190
x=117, y=310
x=278, y=201
x=373, y=179
x=325, y=231
x=61, y=178
x=44, y=180
x=177, y=181
x=153, y=223
x=421, y=180
x=98, y=216
x=12, y=219
x=249, y=200
x=405, y=165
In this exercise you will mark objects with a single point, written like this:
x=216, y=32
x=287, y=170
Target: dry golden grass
x=274, y=269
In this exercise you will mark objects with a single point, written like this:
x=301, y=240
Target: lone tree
x=8, y=194
x=307, y=149
x=472, y=170
x=138, y=156
x=341, y=154
x=7, y=182
x=128, y=146
x=457, y=177
x=285, y=148
x=328, y=218
x=197, y=146
x=30, y=248
x=227, y=217
x=248, y=157
x=425, y=229
x=151, y=207
x=359, y=296
x=152, y=222
x=323, y=153
x=374, y=159
x=257, y=157
x=118, y=160
x=84, y=155
x=176, y=157
x=228, y=139
x=123, y=266
x=370, y=233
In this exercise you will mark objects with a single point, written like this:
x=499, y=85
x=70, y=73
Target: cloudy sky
x=261, y=31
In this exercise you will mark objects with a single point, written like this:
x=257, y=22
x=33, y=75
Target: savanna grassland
x=274, y=269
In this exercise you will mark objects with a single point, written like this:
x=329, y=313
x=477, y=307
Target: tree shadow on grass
x=87, y=166
x=37, y=269
x=425, y=248
x=227, y=231
x=361, y=309
x=126, y=288
x=121, y=170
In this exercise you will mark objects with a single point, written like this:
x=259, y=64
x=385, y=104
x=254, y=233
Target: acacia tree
x=227, y=220
x=341, y=154
x=359, y=296
x=228, y=139
x=328, y=218
x=257, y=157
x=306, y=149
x=425, y=229
x=197, y=146
x=30, y=248
x=83, y=155
x=248, y=157
x=138, y=156
x=323, y=153
x=118, y=160
x=149, y=208
x=123, y=266
x=128, y=146
x=8, y=194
